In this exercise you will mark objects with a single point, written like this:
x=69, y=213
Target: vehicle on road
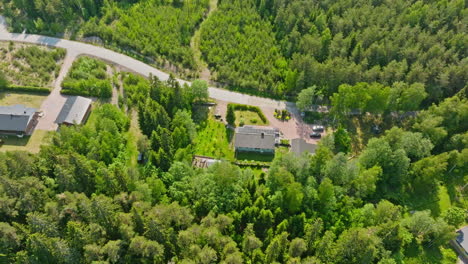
x=318, y=128
x=315, y=135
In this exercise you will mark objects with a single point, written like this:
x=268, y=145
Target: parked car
x=318, y=128
x=315, y=135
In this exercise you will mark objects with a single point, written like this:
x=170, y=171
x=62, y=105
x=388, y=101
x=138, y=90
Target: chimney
x=263, y=135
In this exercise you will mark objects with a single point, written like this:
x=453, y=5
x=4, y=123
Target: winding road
x=74, y=48
x=136, y=66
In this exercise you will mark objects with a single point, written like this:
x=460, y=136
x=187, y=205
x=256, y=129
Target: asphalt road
x=136, y=66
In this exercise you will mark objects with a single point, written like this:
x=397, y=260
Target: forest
x=122, y=188
x=84, y=198
x=329, y=43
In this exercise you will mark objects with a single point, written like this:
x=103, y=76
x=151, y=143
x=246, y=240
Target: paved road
x=134, y=65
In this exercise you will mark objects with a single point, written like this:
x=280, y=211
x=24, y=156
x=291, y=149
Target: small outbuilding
x=255, y=139
x=460, y=243
x=299, y=146
x=203, y=161
x=75, y=111
x=17, y=120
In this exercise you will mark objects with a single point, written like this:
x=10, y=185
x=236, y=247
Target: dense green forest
x=122, y=188
x=328, y=43
x=84, y=198
x=241, y=49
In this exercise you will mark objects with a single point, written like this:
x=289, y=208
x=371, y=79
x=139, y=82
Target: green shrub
x=26, y=89
x=87, y=77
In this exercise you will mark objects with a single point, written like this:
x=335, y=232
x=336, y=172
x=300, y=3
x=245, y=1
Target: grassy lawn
x=30, y=65
x=248, y=118
x=436, y=203
x=133, y=135
x=31, y=143
x=416, y=254
x=29, y=100
x=213, y=140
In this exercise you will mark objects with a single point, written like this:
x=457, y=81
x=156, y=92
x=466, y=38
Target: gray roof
x=15, y=118
x=462, y=238
x=299, y=145
x=255, y=137
x=74, y=110
x=257, y=129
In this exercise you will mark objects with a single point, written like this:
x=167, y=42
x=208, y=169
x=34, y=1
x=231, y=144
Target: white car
x=318, y=128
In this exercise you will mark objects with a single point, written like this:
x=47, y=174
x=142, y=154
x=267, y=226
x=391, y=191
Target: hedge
x=73, y=92
x=27, y=89
x=256, y=109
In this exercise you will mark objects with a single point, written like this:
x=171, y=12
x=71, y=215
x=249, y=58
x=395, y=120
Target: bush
x=284, y=142
x=87, y=77
x=282, y=114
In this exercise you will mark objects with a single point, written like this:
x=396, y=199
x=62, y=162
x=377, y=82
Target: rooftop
x=74, y=110
x=255, y=137
x=299, y=145
x=462, y=238
x=16, y=117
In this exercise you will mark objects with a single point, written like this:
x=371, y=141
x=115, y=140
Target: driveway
x=55, y=101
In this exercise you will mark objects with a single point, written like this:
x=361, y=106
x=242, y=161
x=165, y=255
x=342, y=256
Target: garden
x=88, y=77
x=213, y=140
x=30, y=65
x=239, y=115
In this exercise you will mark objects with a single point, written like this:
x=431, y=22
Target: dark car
x=315, y=135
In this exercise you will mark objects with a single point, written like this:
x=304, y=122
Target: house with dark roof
x=17, y=120
x=460, y=243
x=75, y=111
x=299, y=146
x=256, y=139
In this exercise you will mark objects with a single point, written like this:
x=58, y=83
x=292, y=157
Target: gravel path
x=3, y=25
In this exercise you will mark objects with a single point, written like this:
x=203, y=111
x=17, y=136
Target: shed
x=460, y=243
x=75, y=111
x=299, y=146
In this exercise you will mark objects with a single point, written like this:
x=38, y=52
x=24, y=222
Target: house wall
x=461, y=251
x=32, y=124
x=243, y=149
x=85, y=118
